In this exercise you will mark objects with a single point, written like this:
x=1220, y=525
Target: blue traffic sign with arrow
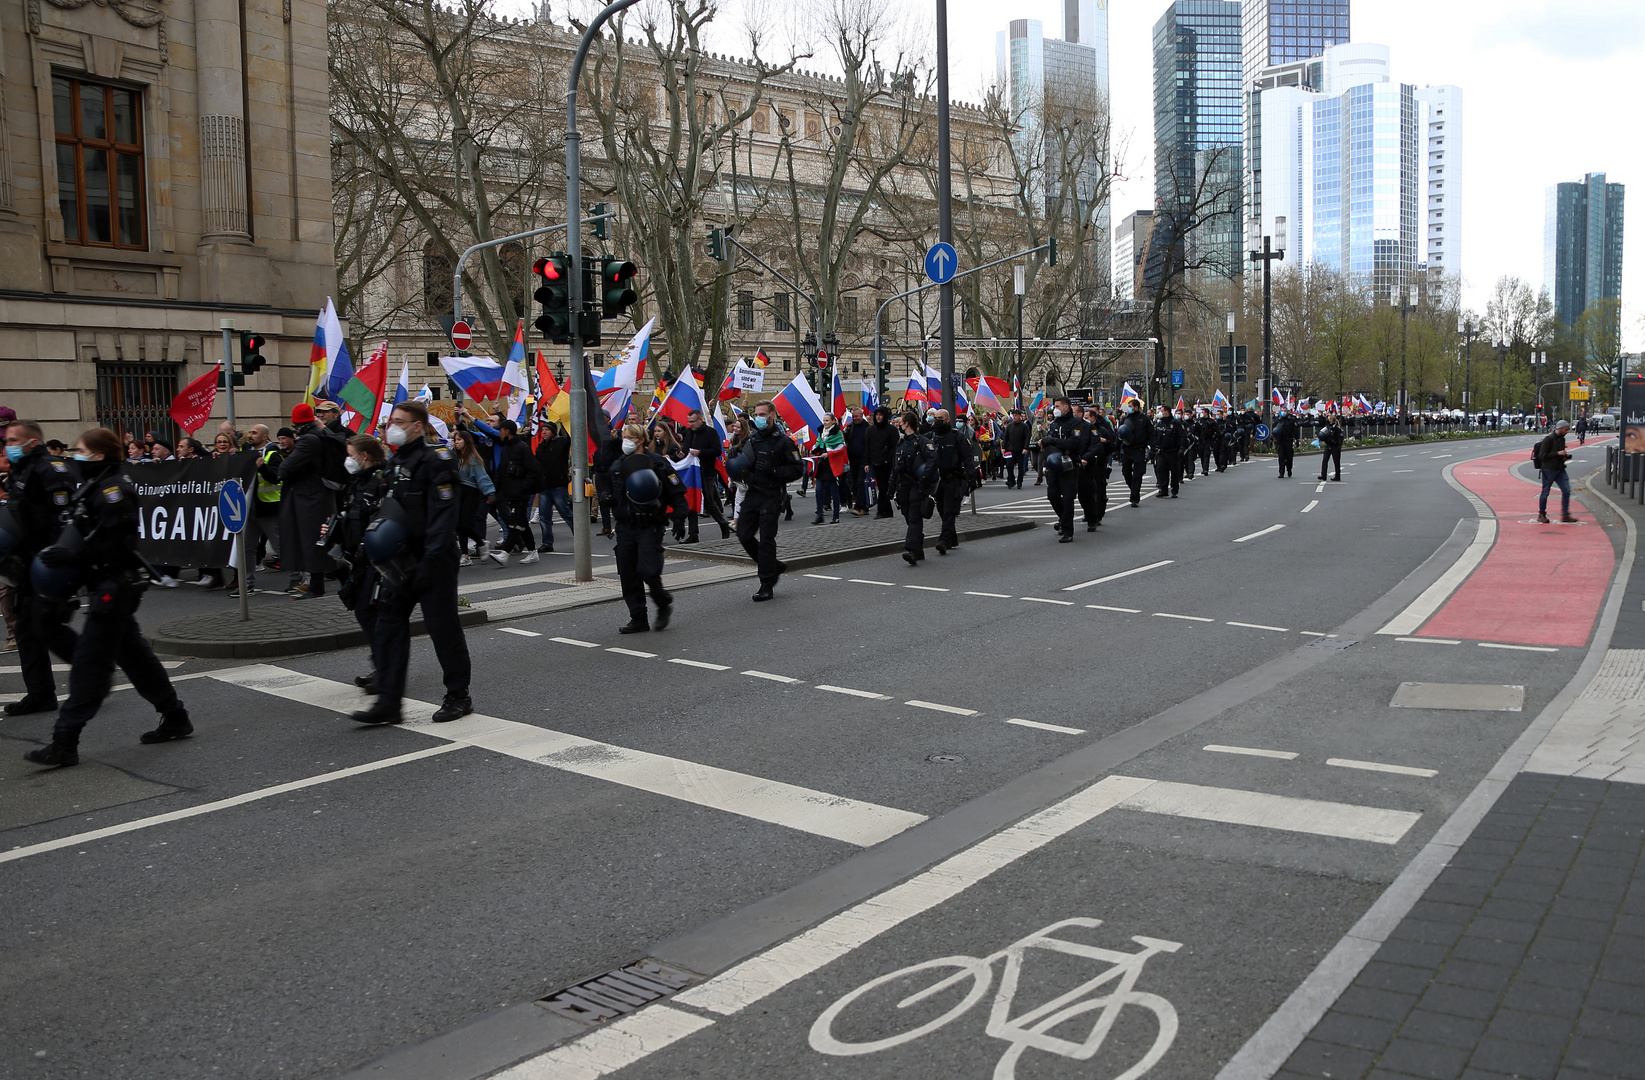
x=231, y=506
x=941, y=262
x=1262, y=431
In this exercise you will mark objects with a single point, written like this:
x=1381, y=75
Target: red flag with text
x=192, y=408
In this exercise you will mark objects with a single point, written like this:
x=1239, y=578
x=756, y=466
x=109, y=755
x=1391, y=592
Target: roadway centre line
x=771, y=677
x=632, y=652
x=866, y=581
x=802, y=809
x=574, y=641
x=1251, y=751
x=925, y=588
x=221, y=804
x=1045, y=600
x=995, y=595
x=1404, y=470
x=516, y=631
x=699, y=664
x=1320, y=488
x=1105, y=607
x=1259, y=626
x=1310, y=506
x=1260, y=532
x=932, y=705
x=1377, y=766
x=824, y=577
x=1189, y=618
x=1046, y=727
x=1430, y=640
x=853, y=692
x=1121, y=574
x=1519, y=648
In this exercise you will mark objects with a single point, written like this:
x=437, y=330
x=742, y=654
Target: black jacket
x=1168, y=435
x=1330, y=436
x=1069, y=434
x=38, y=491
x=706, y=441
x=955, y=454
x=1015, y=436
x=554, y=461
x=1286, y=429
x=769, y=460
x=916, y=461
x=634, y=515
x=882, y=443
x=1136, y=433
x=517, y=475
x=423, y=479
x=856, y=443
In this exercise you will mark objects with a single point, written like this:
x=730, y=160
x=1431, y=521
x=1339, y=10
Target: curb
x=863, y=551
x=284, y=646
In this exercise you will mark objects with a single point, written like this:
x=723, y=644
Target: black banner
x=179, y=525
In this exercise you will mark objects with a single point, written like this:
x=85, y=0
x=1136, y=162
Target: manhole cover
x=946, y=759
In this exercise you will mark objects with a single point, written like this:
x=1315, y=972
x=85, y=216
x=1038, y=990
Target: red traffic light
x=255, y=342
x=548, y=268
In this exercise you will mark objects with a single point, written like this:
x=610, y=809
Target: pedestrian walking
x=1135, y=434
x=38, y=489
x=1550, y=458
x=1014, y=446
x=1167, y=454
x=702, y=442
x=645, y=492
x=1286, y=433
x=1065, y=441
x=956, y=460
x=306, y=502
x=768, y=463
x=1094, y=470
x=1330, y=444
x=882, y=439
x=345, y=537
x=916, y=471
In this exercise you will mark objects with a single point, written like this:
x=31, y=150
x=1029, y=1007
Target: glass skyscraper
x=1197, y=125
x=1582, y=245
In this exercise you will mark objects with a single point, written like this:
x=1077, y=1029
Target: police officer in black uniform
x=1285, y=433
x=344, y=538
x=1065, y=441
x=1207, y=437
x=38, y=491
x=916, y=471
x=1093, y=483
x=97, y=550
x=955, y=464
x=645, y=491
x=1168, y=442
x=1135, y=434
x=413, y=544
x=768, y=463
x=1330, y=442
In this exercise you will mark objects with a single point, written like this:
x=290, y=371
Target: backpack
x=1536, y=454
x=333, y=453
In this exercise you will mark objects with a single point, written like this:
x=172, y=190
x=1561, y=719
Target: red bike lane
x=1539, y=584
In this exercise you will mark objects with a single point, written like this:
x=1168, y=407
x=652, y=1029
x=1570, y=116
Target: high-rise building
x=1130, y=253
x=1439, y=120
x=1582, y=245
x=1277, y=32
x=1197, y=122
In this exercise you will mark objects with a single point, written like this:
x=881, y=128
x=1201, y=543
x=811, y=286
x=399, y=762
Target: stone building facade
x=164, y=165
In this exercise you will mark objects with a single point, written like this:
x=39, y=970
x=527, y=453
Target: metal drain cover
x=617, y=993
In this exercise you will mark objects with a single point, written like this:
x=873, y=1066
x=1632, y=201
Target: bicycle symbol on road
x=1030, y=1031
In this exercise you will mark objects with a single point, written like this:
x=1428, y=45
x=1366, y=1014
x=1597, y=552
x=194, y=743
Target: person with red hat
x=306, y=503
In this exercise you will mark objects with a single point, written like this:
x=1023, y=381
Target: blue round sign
x=1262, y=431
x=941, y=262
x=231, y=506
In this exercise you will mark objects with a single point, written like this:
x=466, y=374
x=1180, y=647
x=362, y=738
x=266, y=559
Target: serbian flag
x=839, y=408
x=833, y=442
x=192, y=407
x=1218, y=401
x=799, y=405
x=682, y=398
x=916, y=389
x=691, y=475
x=728, y=388
x=987, y=398
x=514, y=370
x=362, y=396
x=480, y=377
x=961, y=404
x=1128, y=394
x=870, y=400
x=760, y=359
x=402, y=391
x=329, y=365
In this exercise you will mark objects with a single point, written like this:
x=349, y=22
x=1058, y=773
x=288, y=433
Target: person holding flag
x=703, y=443
x=644, y=493
x=766, y=465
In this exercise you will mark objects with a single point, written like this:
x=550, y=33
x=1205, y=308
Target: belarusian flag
x=833, y=441
x=362, y=395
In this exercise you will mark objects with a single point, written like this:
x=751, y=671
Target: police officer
x=1285, y=442
x=344, y=537
x=1065, y=441
x=98, y=551
x=38, y=491
x=645, y=491
x=767, y=464
x=916, y=471
x=1207, y=438
x=1167, y=446
x=955, y=464
x=1093, y=483
x=413, y=543
x=1330, y=442
x=1190, y=443
x=1135, y=434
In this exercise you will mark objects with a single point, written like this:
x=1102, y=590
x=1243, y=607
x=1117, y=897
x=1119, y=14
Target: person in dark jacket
x=554, y=462
x=1330, y=442
x=1551, y=457
x=881, y=437
x=1094, y=470
x=305, y=504
x=358, y=591
x=1066, y=440
x=768, y=463
x=701, y=439
x=38, y=489
x=916, y=479
x=1286, y=433
x=1168, y=450
x=956, y=463
x=640, y=522
x=1135, y=435
x=518, y=479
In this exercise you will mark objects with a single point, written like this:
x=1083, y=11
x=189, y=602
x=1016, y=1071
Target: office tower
x=1582, y=245
x=1130, y=253
x=1440, y=127
x=1197, y=121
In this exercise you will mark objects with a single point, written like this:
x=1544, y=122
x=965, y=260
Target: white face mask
x=629, y=446
x=396, y=435
x=1059, y=412
x=352, y=465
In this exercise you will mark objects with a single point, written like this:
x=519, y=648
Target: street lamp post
x=1404, y=317
x=1501, y=355
x=945, y=209
x=1273, y=247
x=1465, y=327
x=1233, y=364
x=1022, y=287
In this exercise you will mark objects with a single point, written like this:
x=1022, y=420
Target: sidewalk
x=1525, y=955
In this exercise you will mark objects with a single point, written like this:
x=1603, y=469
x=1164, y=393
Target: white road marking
x=574, y=641
x=824, y=577
x=932, y=705
x=865, y=581
x=1251, y=751
x=1314, y=633
x=1043, y=600
x=1236, y=807
x=169, y=665
x=1046, y=727
x=1310, y=506
x=853, y=692
x=1404, y=470
x=516, y=631
x=699, y=664
x=925, y=588
x=1260, y=532
x=1520, y=648
x=1377, y=766
x=1402, y=455
x=1105, y=607
x=610, y=1048
x=1189, y=618
x=1320, y=488
x=773, y=678
x=223, y=804
x=1437, y=457
x=1259, y=626
x=1121, y=574
x=995, y=595
x=1430, y=640
x=802, y=809
x=633, y=652
x=1423, y=607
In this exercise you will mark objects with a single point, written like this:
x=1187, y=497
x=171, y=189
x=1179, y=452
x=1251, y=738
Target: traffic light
x=599, y=227
x=555, y=297
x=239, y=379
x=616, y=294
x=588, y=322
x=251, y=357
x=1051, y=251
x=716, y=244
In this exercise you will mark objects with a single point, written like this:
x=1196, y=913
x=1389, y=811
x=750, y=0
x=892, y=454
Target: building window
x=436, y=280
x=433, y=359
x=779, y=303
x=745, y=311
x=788, y=363
x=762, y=120
x=99, y=163
x=848, y=314
x=136, y=398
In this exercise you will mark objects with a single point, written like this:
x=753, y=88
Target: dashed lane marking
x=925, y=588
x=935, y=707
x=574, y=641
x=866, y=581
x=995, y=595
x=1518, y=648
x=633, y=652
x=1259, y=626
x=771, y=677
x=1105, y=607
x=1430, y=640
x=1188, y=618
x=1320, y=488
x=699, y=664
x=517, y=632
x=1310, y=506
x=853, y=692
x=1377, y=766
x=824, y=577
x=1046, y=727
x=1121, y=574
x=1046, y=600
x=1314, y=633
x=1251, y=751
x=1259, y=532
x=1404, y=470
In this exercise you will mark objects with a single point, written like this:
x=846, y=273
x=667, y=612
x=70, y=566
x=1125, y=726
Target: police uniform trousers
x=712, y=507
x=1205, y=458
x=1225, y=454
x=640, y=566
x=1245, y=444
x=1133, y=467
x=1188, y=457
x=1168, y=471
x=438, y=599
x=950, y=497
x=1329, y=456
x=1062, y=488
x=1093, y=492
x=1286, y=449
x=885, y=486
x=110, y=637
x=757, y=514
x=358, y=594
x=911, y=501
x=42, y=629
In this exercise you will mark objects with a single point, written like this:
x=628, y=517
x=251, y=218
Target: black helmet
x=58, y=582
x=387, y=538
x=643, y=486
x=11, y=534
x=1055, y=462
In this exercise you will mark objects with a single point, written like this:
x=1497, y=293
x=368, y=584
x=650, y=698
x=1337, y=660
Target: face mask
x=396, y=435
x=760, y=423
x=352, y=466
x=629, y=446
x=1129, y=409
x=82, y=457
x=1059, y=413
x=941, y=425
x=14, y=454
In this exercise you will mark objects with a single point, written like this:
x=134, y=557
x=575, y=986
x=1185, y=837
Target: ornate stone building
x=164, y=165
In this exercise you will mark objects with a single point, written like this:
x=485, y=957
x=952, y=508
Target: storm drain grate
x=618, y=993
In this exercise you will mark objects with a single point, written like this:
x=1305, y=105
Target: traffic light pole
x=582, y=540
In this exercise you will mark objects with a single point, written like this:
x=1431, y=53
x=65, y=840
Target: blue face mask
x=82, y=457
x=760, y=423
x=14, y=454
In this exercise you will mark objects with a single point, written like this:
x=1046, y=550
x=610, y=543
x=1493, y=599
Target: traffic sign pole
x=945, y=208
x=227, y=326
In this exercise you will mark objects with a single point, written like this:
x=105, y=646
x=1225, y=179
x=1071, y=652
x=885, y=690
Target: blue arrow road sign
x=231, y=505
x=1262, y=431
x=941, y=262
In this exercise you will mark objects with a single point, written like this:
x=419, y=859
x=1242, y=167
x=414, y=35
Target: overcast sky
x=1552, y=89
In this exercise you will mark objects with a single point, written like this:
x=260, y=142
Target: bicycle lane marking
x=605, y=1050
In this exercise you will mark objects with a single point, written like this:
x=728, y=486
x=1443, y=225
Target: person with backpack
x=1549, y=457
x=644, y=493
x=1330, y=444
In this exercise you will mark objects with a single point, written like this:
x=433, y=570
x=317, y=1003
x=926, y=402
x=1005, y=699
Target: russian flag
x=870, y=400
x=728, y=388
x=961, y=404
x=691, y=475
x=1128, y=394
x=839, y=409
x=916, y=389
x=799, y=406
x=933, y=386
x=682, y=398
x=1218, y=400
x=480, y=377
x=987, y=398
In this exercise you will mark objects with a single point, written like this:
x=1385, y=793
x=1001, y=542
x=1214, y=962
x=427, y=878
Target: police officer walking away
x=916, y=471
x=1168, y=441
x=1061, y=447
x=413, y=544
x=644, y=491
x=1135, y=434
x=1093, y=483
x=98, y=550
x=955, y=458
x=1207, y=438
x=1330, y=442
x=882, y=458
x=38, y=491
x=1285, y=442
x=768, y=463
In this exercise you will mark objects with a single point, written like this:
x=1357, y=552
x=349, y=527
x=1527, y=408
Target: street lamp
x=1465, y=327
x=1273, y=247
x=1021, y=280
x=1502, y=348
x=1404, y=313
x=1233, y=364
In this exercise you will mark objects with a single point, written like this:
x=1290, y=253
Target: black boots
x=30, y=705
x=173, y=725
x=55, y=754
x=454, y=707
x=665, y=612
x=636, y=625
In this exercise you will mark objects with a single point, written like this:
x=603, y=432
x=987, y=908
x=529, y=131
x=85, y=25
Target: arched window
x=436, y=279
x=512, y=256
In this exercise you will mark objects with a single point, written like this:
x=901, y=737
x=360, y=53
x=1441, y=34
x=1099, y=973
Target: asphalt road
x=802, y=757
